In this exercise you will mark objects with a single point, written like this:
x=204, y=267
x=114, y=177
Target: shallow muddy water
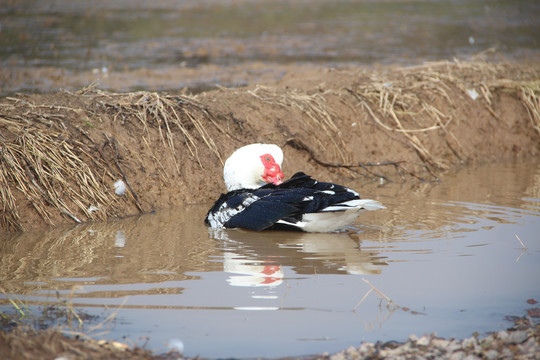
x=120, y=36
x=78, y=34
x=441, y=258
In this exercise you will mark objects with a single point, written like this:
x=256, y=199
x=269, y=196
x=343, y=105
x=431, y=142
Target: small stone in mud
x=423, y=341
x=517, y=337
x=534, y=312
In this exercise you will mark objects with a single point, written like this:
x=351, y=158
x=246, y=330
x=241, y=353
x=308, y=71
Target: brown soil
x=62, y=152
x=49, y=344
x=521, y=341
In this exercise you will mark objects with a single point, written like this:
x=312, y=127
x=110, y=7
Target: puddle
x=75, y=34
x=121, y=36
x=442, y=258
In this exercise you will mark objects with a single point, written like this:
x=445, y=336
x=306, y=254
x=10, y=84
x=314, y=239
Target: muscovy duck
x=259, y=199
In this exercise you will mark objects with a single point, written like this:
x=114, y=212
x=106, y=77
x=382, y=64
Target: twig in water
x=521, y=242
x=391, y=304
x=16, y=304
x=70, y=310
x=380, y=293
x=109, y=318
x=523, y=248
x=362, y=300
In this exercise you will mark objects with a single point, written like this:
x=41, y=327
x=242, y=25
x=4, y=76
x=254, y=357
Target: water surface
x=442, y=258
x=121, y=35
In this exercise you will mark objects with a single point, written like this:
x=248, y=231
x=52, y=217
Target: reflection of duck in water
x=263, y=255
x=259, y=199
x=251, y=273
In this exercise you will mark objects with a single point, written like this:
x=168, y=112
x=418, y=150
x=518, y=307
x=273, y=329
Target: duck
x=258, y=198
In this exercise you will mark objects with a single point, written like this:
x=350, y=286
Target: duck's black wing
x=252, y=209
x=322, y=195
x=262, y=208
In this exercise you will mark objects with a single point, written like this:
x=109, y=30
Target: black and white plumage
x=300, y=203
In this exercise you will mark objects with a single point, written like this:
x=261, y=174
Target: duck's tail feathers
x=370, y=205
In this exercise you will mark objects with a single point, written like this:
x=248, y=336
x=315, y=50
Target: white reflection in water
x=120, y=239
x=340, y=251
x=253, y=274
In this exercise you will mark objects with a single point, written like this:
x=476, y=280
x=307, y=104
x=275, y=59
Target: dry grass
x=50, y=170
x=165, y=113
x=58, y=165
x=400, y=106
x=531, y=100
x=410, y=104
x=321, y=117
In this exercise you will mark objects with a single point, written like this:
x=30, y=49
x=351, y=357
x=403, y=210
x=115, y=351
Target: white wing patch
x=298, y=224
x=225, y=213
x=359, y=204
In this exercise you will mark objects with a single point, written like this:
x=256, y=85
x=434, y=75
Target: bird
x=259, y=198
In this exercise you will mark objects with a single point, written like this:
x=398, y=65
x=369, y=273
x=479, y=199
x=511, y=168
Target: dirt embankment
x=61, y=153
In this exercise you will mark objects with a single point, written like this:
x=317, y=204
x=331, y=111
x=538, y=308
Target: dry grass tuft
x=531, y=100
x=410, y=104
x=59, y=164
x=399, y=106
x=165, y=113
x=51, y=171
x=320, y=115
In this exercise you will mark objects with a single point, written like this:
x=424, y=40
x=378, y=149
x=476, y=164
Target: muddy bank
x=521, y=341
x=62, y=152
